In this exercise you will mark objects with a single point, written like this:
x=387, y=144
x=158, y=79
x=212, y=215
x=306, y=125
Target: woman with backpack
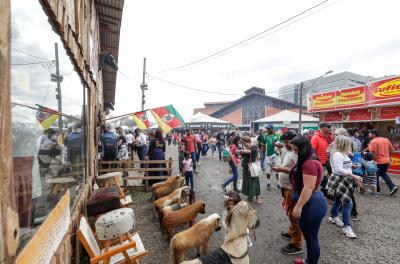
x=233, y=162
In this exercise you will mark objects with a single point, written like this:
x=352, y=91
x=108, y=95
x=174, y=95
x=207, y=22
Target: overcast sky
x=348, y=35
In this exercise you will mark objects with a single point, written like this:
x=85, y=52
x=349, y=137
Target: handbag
x=255, y=168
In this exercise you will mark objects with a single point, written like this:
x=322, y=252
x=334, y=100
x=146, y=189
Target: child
x=370, y=168
x=231, y=199
x=187, y=167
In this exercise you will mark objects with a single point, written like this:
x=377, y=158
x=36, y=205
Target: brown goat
x=194, y=237
x=183, y=216
x=165, y=188
x=172, y=198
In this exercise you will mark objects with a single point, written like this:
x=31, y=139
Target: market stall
x=287, y=120
x=205, y=122
x=375, y=105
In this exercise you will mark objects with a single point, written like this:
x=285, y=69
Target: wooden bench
x=135, y=166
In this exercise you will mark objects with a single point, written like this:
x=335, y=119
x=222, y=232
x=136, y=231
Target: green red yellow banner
x=141, y=120
x=46, y=116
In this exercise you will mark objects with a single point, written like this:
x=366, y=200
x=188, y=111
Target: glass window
x=48, y=118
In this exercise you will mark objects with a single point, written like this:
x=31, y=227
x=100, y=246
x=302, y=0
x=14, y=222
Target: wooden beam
x=9, y=232
x=107, y=6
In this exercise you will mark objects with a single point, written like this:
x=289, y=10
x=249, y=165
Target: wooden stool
x=115, y=224
x=60, y=185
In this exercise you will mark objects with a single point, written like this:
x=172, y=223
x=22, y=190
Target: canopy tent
x=203, y=121
x=288, y=119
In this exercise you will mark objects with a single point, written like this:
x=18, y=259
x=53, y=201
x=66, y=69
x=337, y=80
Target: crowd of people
x=310, y=169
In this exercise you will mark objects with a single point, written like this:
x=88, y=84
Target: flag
x=141, y=120
x=160, y=122
x=170, y=116
x=46, y=116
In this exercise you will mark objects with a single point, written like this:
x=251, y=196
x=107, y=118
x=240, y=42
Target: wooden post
x=170, y=166
x=146, y=173
x=9, y=224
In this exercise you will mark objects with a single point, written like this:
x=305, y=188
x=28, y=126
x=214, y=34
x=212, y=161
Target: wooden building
x=49, y=59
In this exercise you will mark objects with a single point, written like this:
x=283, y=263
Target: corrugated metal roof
x=110, y=16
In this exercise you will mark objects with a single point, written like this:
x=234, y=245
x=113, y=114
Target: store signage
x=359, y=115
x=48, y=237
x=389, y=112
x=398, y=120
x=333, y=117
x=350, y=97
x=324, y=101
x=385, y=91
x=395, y=164
x=374, y=94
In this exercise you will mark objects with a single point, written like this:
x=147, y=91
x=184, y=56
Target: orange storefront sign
x=350, y=97
x=395, y=164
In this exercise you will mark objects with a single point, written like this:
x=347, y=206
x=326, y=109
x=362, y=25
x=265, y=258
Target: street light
x=307, y=90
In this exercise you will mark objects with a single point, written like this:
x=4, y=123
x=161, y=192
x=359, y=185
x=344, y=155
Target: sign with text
x=360, y=115
x=48, y=237
x=384, y=91
x=325, y=101
x=395, y=164
x=350, y=97
x=389, y=112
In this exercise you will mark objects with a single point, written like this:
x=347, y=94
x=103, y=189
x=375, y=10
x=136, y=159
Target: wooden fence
x=126, y=166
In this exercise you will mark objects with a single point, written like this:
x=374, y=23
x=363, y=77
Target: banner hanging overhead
x=141, y=120
x=46, y=116
x=167, y=118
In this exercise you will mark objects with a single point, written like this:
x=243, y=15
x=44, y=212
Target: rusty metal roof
x=110, y=16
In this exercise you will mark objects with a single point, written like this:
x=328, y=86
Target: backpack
x=74, y=145
x=370, y=167
x=226, y=154
x=109, y=140
x=356, y=159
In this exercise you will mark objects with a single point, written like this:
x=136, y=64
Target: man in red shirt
x=382, y=149
x=191, y=146
x=320, y=142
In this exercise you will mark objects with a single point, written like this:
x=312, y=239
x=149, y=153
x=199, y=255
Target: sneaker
x=195, y=172
x=223, y=187
x=353, y=218
x=336, y=220
x=349, y=232
x=394, y=190
x=286, y=235
x=291, y=250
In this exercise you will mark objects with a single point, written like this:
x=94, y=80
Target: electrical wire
x=31, y=63
x=256, y=36
x=188, y=87
x=26, y=53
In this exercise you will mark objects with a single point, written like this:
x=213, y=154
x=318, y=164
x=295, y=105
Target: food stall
x=374, y=105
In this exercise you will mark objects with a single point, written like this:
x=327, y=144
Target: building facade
x=52, y=87
x=255, y=104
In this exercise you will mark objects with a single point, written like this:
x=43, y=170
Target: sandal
x=258, y=201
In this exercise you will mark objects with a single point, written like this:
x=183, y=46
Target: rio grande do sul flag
x=141, y=120
x=170, y=116
x=46, y=116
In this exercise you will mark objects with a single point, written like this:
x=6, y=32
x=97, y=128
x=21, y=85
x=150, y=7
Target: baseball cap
x=270, y=126
x=323, y=124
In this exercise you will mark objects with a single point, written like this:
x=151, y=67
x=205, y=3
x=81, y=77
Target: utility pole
x=58, y=79
x=301, y=105
x=143, y=86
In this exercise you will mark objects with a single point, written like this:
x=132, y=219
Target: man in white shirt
x=140, y=144
x=289, y=161
x=129, y=142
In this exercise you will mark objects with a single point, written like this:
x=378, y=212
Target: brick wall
x=234, y=117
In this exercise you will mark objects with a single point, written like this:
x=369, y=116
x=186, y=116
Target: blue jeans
x=193, y=156
x=346, y=210
x=382, y=171
x=189, y=178
x=234, y=177
x=310, y=220
x=263, y=160
x=220, y=149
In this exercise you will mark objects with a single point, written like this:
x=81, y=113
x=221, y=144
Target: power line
x=31, y=63
x=26, y=53
x=188, y=87
x=256, y=36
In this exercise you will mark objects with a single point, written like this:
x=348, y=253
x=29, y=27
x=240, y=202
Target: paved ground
x=378, y=229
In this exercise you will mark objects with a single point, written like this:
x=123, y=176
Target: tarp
x=286, y=116
x=203, y=118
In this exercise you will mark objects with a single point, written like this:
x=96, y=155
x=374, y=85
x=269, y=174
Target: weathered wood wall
x=8, y=216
